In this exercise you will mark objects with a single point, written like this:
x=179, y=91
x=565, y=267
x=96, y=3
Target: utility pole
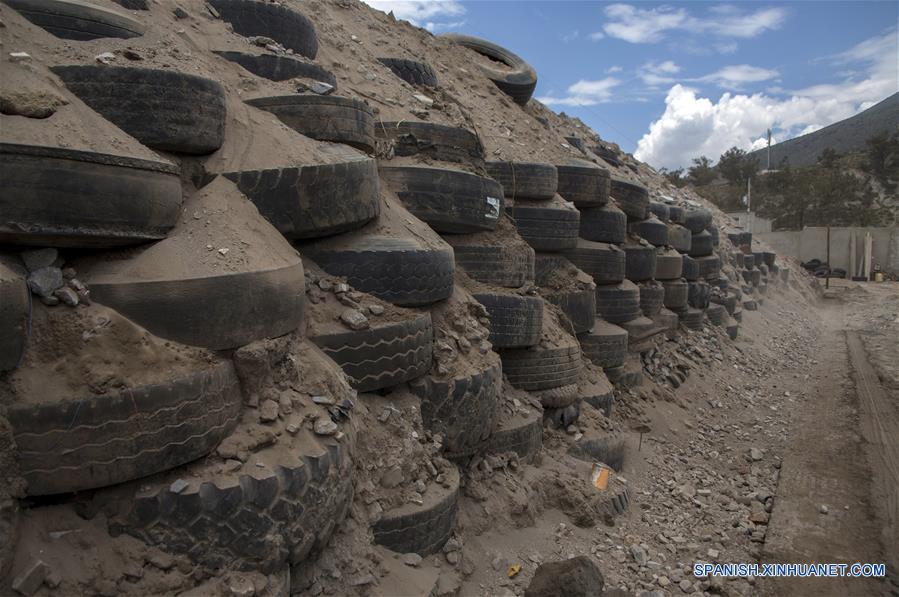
x=769, y=150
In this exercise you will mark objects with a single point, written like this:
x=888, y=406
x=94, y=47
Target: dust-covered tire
x=605, y=345
x=276, y=67
x=652, y=296
x=507, y=265
x=280, y=509
x=161, y=108
x=599, y=394
x=67, y=443
x=697, y=219
x=698, y=294
x=450, y=201
x=398, y=270
x=521, y=434
x=462, y=409
x=606, y=224
x=383, y=355
x=543, y=367
x=516, y=78
x=701, y=244
x=652, y=230
x=315, y=200
x=690, y=268
x=660, y=211
x=717, y=314
x=609, y=450
x=732, y=328
x=709, y=267
x=424, y=528
x=331, y=118
x=550, y=225
x=80, y=21
x=15, y=313
x=691, y=318
x=676, y=292
x=559, y=397
x=525, y=180
x=640, y=262
x=633, y=198
x=437, y=141
x=411, y=71
x=605, y=263
x=516, y=321
x=583, y=183
x=69, y=198
x=676, y=214
x=669, y=265
x=617, y=303
x=255, y=17
x=679, y=238
x=578, y=306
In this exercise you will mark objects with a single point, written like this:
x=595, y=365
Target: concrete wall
x=811, y=243
x=748, y=221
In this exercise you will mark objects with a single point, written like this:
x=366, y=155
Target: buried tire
x=525, y=180
x=331, y=118
x=437, y=141
x=583, y=183
x=605, y=345
x=547, y=225
x=516, y=78
x=275, y=67
x=77, y=20
x=287, y=27
x=521, y=434
x=507, y=265
x=15, y=313
x=606, y=224
x=543, y=368
x=411, y=71
x=515, y=321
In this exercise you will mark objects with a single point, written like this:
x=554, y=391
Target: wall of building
x=811, y=243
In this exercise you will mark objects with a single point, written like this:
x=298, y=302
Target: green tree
x=701, y=172
x=675, y=177
x=737, y=166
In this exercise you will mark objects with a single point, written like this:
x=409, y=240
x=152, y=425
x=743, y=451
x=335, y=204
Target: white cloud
x=568, y=37
x=736, y=75
x=658, y=73
x=649, y=25
x=614, y=69
x=596, y=35
x=585, y=93
x=422, y=13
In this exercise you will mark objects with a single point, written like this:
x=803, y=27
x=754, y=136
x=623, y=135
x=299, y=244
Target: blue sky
x=672, y=81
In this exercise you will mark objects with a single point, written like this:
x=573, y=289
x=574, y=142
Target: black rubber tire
x=607, y=154
x=15, y=314
x=255, y=17
x=331, y=118
x=605, y=263
x=729, y=301
x=80, y=21
x=606, y=224
x=735, y=238
x=751, y=305
x=463, y=409
x=508, y=266
x=717, y=314
x=633, y=198
x=521, y=434
x=381, y=356
x=676, y=214
x=698, y=294
x=691, y=318
x=716, y=235
x=748, y=261
x=755, y=277
x=109, y=200
x=161, y=108
x=690, y=268
x=397, y=270
x=770, y=258
x=525, y=180
x=312, y=201
x=738, y=314
x=652, y=296
x=70, y=443
x=617, y=303
x=640, y=262
x=605, y=345
x=275, y=67
x=607, y=449
x=411, y=71
x=543, y=367
x=256, y=519
x=732, y=328
x=516, y=78
x=515, y=321
x=562, y=418
x=709, y=267
x=133, y=4
x=547, y=225
x=559, y=397
x=450, y=201
x=676, y=294
x=701, y=244
x=578, y=306
x=669, y=265
x=660, y=211
x=436, y=141
x=697, y=219
x=583, y=183
x=218, y=312
x=652, y=230
x=421, y=529
x=599, y=394
x=680, y=238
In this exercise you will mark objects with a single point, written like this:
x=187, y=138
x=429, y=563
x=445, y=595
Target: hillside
x=843, y=136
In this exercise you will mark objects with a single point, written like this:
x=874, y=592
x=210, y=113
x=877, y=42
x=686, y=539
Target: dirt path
x=836, y=473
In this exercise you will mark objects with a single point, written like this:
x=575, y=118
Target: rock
x=453, y=557
x=392, y=478
x=376, y=309
x=321, y=88
x=324, y=426
x=163, y=561
x=268, y=411
x=424, y=99
x=323, y=400
x=686, y=586
x=361, y=580
x=19, y=57
x=45, y=281
x=823, y=509
x=180, y=13
x=755, y=454
x=178, y=486
x=67, y=296
x=639, y=554
x=39, y=258
x=241, y=586
x=260, y=40
x=105, y=58
x=411, y=559
x=354, y=319
x=31, y=579
x=452, y=544
x=575, y=577
x=447, y=584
